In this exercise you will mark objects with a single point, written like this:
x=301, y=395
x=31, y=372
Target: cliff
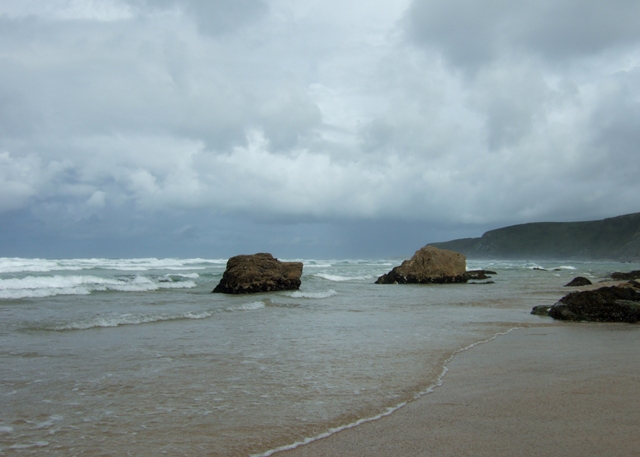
x=616, y=238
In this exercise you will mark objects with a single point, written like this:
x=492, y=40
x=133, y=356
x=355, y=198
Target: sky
x=308, y=128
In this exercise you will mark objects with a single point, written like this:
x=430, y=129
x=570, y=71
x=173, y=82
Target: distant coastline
x=616, y=238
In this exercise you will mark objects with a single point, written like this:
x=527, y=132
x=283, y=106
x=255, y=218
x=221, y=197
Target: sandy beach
x=558, y=390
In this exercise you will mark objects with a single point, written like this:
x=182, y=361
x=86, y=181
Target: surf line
x=438, y=383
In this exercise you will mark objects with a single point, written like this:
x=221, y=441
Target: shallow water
x=137, y=357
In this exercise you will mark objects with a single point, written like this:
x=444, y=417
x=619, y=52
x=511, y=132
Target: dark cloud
x=615, y=129
x=472, y=33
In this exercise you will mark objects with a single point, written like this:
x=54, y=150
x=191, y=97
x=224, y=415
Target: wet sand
x=562, y=390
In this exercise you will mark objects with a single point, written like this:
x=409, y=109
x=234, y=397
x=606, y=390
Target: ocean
x=119, y=357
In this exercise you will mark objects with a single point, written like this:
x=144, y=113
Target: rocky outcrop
x=428, y=265
x=248, y=274
x=578, y=281
x=619, y=276
x=479, y=274
x=606, y=304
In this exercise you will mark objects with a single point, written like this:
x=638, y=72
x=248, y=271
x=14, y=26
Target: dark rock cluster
x=618, y=276
x=606, y=304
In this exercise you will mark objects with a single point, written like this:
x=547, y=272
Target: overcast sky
x=310, y=128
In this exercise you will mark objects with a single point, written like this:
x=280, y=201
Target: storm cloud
x=186, y=127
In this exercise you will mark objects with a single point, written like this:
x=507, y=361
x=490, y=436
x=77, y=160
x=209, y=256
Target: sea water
x=137, y=356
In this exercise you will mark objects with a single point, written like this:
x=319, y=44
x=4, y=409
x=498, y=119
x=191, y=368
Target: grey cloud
x=511, y=101
x=615, y=128
x=119, y=78
x=298, y=132
x=473, y=33
x=214, y=17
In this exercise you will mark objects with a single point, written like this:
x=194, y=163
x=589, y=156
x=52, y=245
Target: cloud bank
x=312, y=127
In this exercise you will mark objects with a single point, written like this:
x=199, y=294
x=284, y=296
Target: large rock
x=248, y=274
x=606, y=304
x=428, y=265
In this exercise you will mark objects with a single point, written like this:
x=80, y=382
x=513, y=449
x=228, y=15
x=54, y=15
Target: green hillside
x=616, y=238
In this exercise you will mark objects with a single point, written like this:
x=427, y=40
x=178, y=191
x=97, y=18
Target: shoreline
x=391, y=410
x=557, y=389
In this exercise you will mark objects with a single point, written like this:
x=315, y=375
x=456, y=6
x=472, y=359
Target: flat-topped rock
x=427, y=266
x=249, y=274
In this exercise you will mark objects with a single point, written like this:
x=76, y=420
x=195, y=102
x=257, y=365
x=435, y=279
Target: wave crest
x=126, y=319
x=49, y=286
x=302, y=294
x=341, y=278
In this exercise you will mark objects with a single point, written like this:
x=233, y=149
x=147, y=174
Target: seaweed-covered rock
x=606, y=304
x=247, y=274
x=428, y=265
x=578, y=281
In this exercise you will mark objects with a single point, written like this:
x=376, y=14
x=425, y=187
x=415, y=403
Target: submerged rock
x=606, y=304
x=247, y=274
x=428, y=265
x=578, y=281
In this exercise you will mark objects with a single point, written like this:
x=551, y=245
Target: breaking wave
x=301, y=294
x=49, y=286
x=20, y=265
x=125, y=319
x=341, y=278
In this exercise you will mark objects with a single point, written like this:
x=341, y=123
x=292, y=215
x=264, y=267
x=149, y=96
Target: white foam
x=341, y=278
x=182, y=275
x=30, y=445
x=20, y=265
x=6, y=429
x=302, y=294
x=249, y=306
x=48, y=286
